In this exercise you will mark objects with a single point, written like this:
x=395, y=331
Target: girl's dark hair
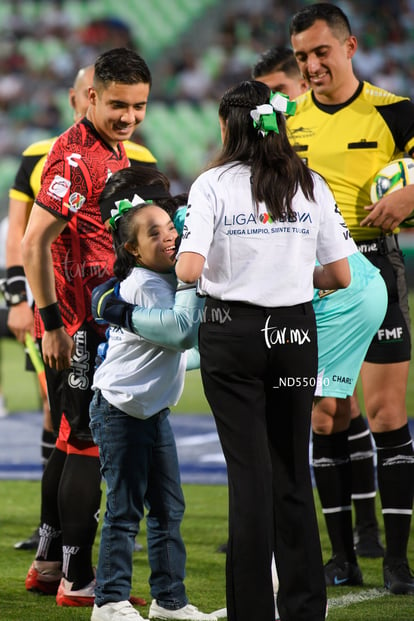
x=126, y=232
x=135, y=175
x=276, y=170
x=146, y=181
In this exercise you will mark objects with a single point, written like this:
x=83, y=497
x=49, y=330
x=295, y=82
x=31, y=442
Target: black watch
x=13, y=299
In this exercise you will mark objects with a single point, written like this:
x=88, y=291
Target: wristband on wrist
x=14, y=289
x=51, y=317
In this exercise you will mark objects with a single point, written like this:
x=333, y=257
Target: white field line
x=335, y=602
x=198, y=439
x=355, y=598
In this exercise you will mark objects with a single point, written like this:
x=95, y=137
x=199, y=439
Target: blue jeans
x=140, y=466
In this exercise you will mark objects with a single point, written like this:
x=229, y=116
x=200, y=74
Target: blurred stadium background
x=195, y=49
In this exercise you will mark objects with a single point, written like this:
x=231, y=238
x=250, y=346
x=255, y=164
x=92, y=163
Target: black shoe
x=342, y=573
x=28, y=544
x=398, y=578
x=367, y=542
x=222, y=548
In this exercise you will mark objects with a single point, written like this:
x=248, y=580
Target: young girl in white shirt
x=134, y=386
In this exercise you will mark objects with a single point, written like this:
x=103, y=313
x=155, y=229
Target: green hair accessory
x=281, y=103
x=264, y=116
x=122, y=206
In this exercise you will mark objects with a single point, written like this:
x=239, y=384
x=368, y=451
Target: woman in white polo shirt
x=257, y=221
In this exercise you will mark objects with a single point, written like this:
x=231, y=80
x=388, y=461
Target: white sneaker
x=116, y=611
x=186, y=613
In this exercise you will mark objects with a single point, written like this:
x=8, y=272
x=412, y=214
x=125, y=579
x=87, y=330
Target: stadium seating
x=184, y=133
x=49, y=35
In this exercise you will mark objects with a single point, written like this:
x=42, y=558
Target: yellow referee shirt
x=349, y=143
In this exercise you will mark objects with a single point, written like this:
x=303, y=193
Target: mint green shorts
x=347, y=320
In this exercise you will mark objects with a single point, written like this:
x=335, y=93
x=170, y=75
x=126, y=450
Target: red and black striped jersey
x=75, y=172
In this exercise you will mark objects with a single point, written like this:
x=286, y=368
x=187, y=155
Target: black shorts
x=69, y=391
x=392, y=342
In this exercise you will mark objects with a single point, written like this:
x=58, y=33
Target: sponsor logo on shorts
x=79, y=373
x=341, y=379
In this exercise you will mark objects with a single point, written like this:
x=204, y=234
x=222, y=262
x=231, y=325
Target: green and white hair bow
x=264, y=116
x=122, y=206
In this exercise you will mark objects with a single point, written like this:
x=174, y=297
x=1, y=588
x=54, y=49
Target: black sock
x=49, y=547
x=50, y=544
x=79, y=504
x=395, y=469
x=332, y=471
x=77, y=566
x=363, y=473
x=47, y=445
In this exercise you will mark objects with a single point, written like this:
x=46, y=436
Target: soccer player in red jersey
x=67, y=252
x=22, y=194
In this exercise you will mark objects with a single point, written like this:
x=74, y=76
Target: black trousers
x=259, y=367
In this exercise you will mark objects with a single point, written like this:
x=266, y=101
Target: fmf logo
x=394, y=334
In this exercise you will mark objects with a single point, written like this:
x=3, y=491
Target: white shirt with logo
x=251, y=258
x=136, y=376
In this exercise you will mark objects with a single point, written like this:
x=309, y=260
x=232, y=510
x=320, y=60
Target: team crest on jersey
x=75, y=201
x=59, y=187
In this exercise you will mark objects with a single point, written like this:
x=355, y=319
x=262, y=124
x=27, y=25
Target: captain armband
x=14, y=286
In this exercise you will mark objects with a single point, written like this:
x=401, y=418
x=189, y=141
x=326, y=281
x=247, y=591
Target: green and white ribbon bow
x=264, y=116
x=122, y=206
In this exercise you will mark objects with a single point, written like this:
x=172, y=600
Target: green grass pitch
x=204, y=529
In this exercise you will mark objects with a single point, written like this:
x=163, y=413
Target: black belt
x=381, y=245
